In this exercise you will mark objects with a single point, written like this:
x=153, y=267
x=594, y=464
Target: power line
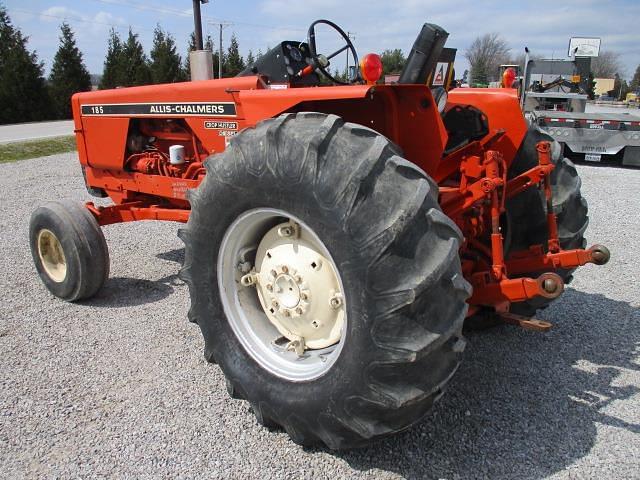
x=147, y=7
x=187, y=13
x=81, y=20
x=257, y=25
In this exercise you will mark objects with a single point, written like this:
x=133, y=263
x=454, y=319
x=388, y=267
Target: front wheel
x=69, y=250
x=325, y=279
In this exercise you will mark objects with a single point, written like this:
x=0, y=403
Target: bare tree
x=485, y=55
x=519, y=59
x=607, y=64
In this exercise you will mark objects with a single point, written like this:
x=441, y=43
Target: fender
x=502, y=109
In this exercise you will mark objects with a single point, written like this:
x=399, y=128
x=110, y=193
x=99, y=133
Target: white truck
x=593, y=136
x=554, y=98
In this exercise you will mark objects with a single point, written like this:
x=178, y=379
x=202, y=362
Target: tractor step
x=527, y=323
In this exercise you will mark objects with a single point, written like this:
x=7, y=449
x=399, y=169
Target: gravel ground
x=118, y=387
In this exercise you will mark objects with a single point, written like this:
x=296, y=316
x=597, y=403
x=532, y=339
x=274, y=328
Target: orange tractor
x=337, y=237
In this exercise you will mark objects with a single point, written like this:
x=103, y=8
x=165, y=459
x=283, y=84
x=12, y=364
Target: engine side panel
x=105, y=115
x=124, y=135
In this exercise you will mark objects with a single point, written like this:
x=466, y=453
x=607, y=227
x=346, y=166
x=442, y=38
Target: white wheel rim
x=51, y=255
x=288, y=315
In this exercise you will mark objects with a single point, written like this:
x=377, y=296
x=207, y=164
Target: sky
x=544, y=26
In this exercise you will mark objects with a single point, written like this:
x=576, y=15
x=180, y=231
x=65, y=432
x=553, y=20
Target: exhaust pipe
x=200, y=60
x=424, y=54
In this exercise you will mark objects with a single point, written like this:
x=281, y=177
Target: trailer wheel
x=527, y=211
x=69, y=250
x=325, y=279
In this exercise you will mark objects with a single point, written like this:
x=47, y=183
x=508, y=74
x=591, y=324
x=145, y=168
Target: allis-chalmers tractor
x=337, y=236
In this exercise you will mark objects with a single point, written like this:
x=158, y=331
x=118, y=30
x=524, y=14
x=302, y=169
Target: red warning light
x=371, y=68
x=508, y=77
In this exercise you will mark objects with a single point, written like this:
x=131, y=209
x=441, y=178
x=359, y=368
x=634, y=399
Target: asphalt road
x=117, y=386
x=33, y=131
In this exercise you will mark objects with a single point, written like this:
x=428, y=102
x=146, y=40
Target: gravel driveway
x=117, y=386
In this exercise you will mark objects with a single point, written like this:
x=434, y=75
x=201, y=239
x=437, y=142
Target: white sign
x=441, y=74
x=584, y=47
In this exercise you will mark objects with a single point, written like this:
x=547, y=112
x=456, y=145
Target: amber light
x=371, y=67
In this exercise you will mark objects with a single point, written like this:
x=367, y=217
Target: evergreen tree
x=24, y=96
x=166, y=63
x=393, y=61
x=216, y=64
x=624, y=89
x=341, y=76
x=208, y=45
x=136, y=64
x=591, y=86
x=634, y=86
x=250, y=59
x=68, y=74
x=617, y=86
x=233, y=60
x=187, y=61
x=113, y=72
x=259, y=54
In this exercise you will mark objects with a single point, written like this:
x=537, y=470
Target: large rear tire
x=395, y=255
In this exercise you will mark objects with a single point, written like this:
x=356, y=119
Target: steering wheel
x=321, y=62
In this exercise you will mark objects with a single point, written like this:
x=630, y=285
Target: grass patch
x=12, y=152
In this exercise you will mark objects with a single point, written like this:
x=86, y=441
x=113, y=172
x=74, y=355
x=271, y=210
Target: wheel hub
x=298, y=287
x=282, y=294
x=51, y=255
x=286, y=291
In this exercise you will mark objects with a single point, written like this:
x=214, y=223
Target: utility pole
x=221, y=26
x=352, y=37
x=220, y=54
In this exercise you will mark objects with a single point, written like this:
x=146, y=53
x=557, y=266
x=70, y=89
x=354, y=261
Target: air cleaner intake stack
x=424, y=54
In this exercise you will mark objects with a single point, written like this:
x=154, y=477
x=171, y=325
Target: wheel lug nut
x=299, y=311
x=336, y=301
x=287, y=313
x=304, y=296
x=269, y=287
x=275, y=304
x=285, y=231
x=274, y=273
x=285, y=269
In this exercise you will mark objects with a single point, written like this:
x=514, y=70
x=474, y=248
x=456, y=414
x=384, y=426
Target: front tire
x=69, y=250
x=394, y=251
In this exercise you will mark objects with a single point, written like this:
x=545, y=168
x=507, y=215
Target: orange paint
x=203, y=116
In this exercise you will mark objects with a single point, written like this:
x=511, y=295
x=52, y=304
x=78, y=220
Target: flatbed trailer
x=596, y=137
